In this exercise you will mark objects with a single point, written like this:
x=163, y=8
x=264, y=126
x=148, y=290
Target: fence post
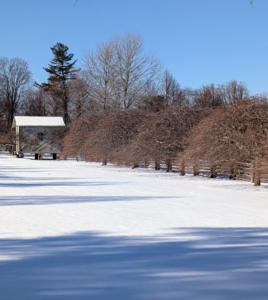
x=252, y=171
x=257, y=172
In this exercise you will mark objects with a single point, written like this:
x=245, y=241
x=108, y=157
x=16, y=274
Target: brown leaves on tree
x=223, y=138
x=132, y=136
x=230, y=135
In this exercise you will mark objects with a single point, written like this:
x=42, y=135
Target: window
x=40, y=136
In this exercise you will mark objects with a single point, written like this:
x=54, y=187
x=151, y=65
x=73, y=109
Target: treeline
x=181, y=138
x=122, y=106
x=231, y=136
x=117, y=76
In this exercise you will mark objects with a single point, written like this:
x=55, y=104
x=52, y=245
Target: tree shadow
x=48, y=200
x=53, y=182
x=216, y=263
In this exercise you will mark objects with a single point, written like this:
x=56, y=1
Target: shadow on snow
x=54, y=182
x=48, y=200
x=193, y=264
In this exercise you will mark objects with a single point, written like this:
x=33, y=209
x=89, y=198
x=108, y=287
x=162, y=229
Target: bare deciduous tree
x=118, y=73
x=209, y=96
x=35, y=103
x=133, y=68
x=100, y=76
x=80, y=103
x=15, y=78
x=171, y=90
x=212, y=96
x=235, y=91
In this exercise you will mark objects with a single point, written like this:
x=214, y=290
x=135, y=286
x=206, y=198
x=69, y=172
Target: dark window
x=40, y=136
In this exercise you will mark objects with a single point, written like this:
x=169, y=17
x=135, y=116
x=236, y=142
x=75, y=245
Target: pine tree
x=61, y=70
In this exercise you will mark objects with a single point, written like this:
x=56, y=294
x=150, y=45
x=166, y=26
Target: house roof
x=37, y=121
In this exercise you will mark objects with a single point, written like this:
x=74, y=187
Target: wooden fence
x=243, y=170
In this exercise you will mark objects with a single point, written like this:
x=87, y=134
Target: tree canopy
x=61, y=70
x=61, y=66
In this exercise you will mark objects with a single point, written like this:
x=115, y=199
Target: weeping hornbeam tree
x=61, y=70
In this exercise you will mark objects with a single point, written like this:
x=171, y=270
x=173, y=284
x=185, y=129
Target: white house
x=38, y=135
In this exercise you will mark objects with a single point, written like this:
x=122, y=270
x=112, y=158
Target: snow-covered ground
x=74, y=230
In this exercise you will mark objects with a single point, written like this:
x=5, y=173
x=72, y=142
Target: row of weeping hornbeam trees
x=255, y=171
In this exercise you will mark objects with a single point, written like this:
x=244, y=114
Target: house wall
x=41, y=139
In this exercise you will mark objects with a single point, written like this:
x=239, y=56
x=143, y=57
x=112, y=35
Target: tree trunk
x=38, y=156
x=146, y=163
x=156, y=165
x=232, y=174
x=168, y=165
x=213, y=171
x=252, y=171
x=182, y=167
x=196, y=167
x=257, y=172
x=135, y=165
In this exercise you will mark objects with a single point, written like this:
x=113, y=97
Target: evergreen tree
x=61, y=70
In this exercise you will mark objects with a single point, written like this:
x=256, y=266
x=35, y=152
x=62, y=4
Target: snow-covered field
x=74, y=230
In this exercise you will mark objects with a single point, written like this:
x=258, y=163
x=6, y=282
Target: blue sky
x=199, y=41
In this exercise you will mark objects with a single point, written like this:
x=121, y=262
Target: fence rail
x=242, y=171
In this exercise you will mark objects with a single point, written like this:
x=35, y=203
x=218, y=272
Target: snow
x=76, y=230
x=37, y=121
